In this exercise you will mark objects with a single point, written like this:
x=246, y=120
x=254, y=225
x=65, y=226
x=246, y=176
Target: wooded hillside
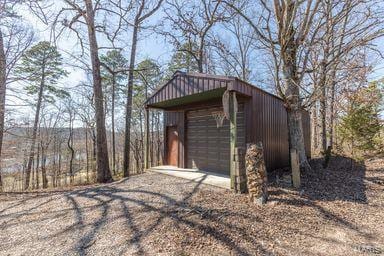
x=74, y=75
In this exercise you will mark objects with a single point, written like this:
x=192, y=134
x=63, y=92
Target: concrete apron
x=208, y=178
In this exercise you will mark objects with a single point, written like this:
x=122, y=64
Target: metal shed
x=194, y=139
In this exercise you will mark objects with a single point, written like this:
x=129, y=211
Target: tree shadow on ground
x=343, y=180
x=179, y=211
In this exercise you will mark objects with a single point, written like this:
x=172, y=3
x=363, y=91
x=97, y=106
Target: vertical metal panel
x=269, y=125
x=265, y=116
x=208, y=146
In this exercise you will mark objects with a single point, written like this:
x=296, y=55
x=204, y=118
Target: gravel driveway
x=339, y=212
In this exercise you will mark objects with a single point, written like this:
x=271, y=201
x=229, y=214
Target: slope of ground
x=339, y=211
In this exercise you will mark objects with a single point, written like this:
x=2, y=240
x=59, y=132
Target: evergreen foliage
x=361, y=124
x=41, y=67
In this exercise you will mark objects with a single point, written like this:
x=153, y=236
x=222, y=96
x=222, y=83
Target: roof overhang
x=187, y=88
x=189, y=99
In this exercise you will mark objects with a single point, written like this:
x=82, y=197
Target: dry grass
x=340, y=211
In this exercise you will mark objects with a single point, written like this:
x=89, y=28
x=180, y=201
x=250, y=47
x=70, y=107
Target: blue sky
x=150, y=46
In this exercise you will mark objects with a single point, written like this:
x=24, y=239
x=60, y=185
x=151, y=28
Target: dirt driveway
x=340, y=211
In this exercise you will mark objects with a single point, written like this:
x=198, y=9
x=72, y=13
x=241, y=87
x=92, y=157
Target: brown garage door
x=208, y=146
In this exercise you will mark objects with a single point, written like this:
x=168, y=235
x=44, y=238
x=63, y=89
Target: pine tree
x=361, y=124
x=41, y=67
x=183, y=60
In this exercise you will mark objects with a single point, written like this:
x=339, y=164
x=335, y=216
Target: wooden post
x=240, y=173
x=146, y=145
x=233, y=135
x=295, y=166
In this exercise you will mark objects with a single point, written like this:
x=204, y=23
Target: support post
x=146, y=145
x=233, y=135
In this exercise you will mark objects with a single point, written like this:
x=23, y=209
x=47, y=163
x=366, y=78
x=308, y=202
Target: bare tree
x=49, y=123
x=190, y=23
x=2, y=94
x=86, y=115
x=71, y=118
x=14, y=40
x=235, y=56
x=288, y=32
x=346, y=31
x=143, y=11
x=84, y=12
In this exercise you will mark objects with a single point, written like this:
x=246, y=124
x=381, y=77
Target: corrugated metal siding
x=266, y=121
x=207, y=146
x=265, y=115
x=183, y=85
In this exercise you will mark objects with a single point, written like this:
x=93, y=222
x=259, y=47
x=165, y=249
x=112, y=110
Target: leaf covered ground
x=339, y=211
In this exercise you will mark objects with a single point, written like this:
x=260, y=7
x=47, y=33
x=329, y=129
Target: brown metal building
x=191, y=133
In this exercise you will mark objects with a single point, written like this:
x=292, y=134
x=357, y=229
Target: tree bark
x=323, y=116
x=141, y=144
x=34, y=131
x=332, y=114
x=103, y=171
x=43, y=165
x=323, y=78
x=37, y=166
x=314, y=120
x=128, y=115
x=70, y=147
x=86, y=153
x=113, y=125
x=3, y=72
x=59, y=164
x=296, y=137
x=93, y=136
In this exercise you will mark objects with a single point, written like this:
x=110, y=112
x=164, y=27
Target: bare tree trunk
x=113, y=126
x=54, y=167
x=37, y=166
x=43, y=166
x=201, y=56
x=141, y=142
x=128, y=115
x=93, y=134
x=34, y=131
x=137, y=155
x=323, y=119
x=70, y=147
x=315, y=142
x=32, y=177
x=86, y=153
x=2, y=96
x=103, y=171
x=296, y=137
x=323, y=77
x=59, y=164
x=332, y=114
